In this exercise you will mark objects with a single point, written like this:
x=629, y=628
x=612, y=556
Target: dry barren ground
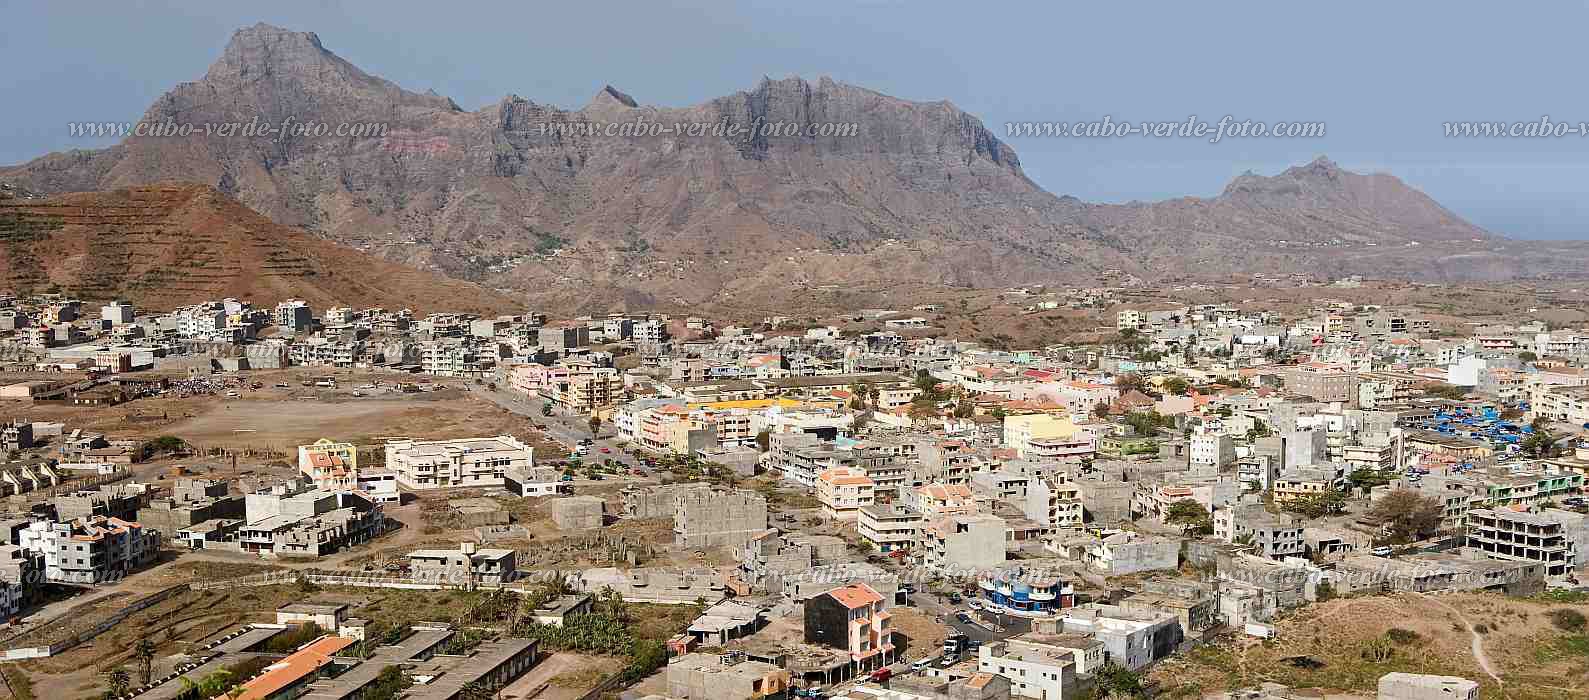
x=1347, y=644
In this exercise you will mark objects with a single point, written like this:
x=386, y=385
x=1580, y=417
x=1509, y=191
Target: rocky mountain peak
x=264, y=48
x=611, y=96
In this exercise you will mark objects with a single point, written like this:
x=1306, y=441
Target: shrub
x=1567, y=619
x=1403, y=637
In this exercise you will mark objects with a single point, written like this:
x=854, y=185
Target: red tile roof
x=855, y=595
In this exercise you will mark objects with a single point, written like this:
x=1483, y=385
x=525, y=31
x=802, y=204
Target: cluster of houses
x=1259, y=450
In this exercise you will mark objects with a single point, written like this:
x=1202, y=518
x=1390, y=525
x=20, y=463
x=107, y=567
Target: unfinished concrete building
x=724, y=677
x=170, y=515
x=659, y=501
x=578, y=513
x=768, y=557
x=718, y=517
x=113, y=501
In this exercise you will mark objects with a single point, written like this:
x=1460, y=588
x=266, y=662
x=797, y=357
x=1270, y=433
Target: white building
x=843, y=492
x=90, y=550
x=1211, y=450
x=117, y=313
x=474, y=462
x=1035, y=670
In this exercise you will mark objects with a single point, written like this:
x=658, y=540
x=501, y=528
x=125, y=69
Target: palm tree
x=145, y=652
x=119, y=681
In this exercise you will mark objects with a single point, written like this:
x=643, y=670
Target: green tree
x=164, y=445
x=595, y=425
x=1527, y=356
x=928, y=386
x=1129, y=382
x=763, y=441
x=389, y=684
x=1147, y=423
x=1175, y=386
x=1115, y=681
x=546, y=409
x=1540, y=443
x=1190, y=515
x=1406, y=515
x=1366, y=478
x=1442, y=390
x=922, y=407
x=1318, y=505
x=118, y=682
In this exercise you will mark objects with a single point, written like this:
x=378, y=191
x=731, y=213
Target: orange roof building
x=296, y=670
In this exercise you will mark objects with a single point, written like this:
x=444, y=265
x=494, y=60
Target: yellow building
x=330, y=464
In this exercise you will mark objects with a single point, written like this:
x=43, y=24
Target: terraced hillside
x=166, y=245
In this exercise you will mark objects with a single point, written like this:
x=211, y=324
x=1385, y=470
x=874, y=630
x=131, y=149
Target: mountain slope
x=167, y=245
x=527, y=196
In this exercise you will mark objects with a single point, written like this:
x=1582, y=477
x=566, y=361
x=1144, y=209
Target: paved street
x=566, y=429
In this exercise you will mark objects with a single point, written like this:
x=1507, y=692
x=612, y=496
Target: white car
x=974, y=604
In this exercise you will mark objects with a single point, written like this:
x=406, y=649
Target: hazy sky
x=1383, y=76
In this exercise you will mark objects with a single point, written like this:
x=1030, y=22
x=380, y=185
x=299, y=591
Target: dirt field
x=1333, y=646
x=281, y=418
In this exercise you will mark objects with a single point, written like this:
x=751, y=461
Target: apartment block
x=962, y=542
x=294, y=315
x=843, y=492
x=471, y=462
x=888, y=527
x=1035, y=670
x=852, y=619
x=19, y=579
x=1323, y=382
x=1211, y=450
x=1133, y=638
x=90, y=550
x=1270, y=535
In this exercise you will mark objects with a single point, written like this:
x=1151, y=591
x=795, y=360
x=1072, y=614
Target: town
x=1208, y=500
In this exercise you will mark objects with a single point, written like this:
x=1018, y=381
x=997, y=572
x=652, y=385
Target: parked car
x=921, y=665
x=882, y=674
x=1382, y=551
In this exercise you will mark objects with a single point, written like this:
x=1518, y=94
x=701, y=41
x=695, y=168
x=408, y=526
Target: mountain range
x=528, y=199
